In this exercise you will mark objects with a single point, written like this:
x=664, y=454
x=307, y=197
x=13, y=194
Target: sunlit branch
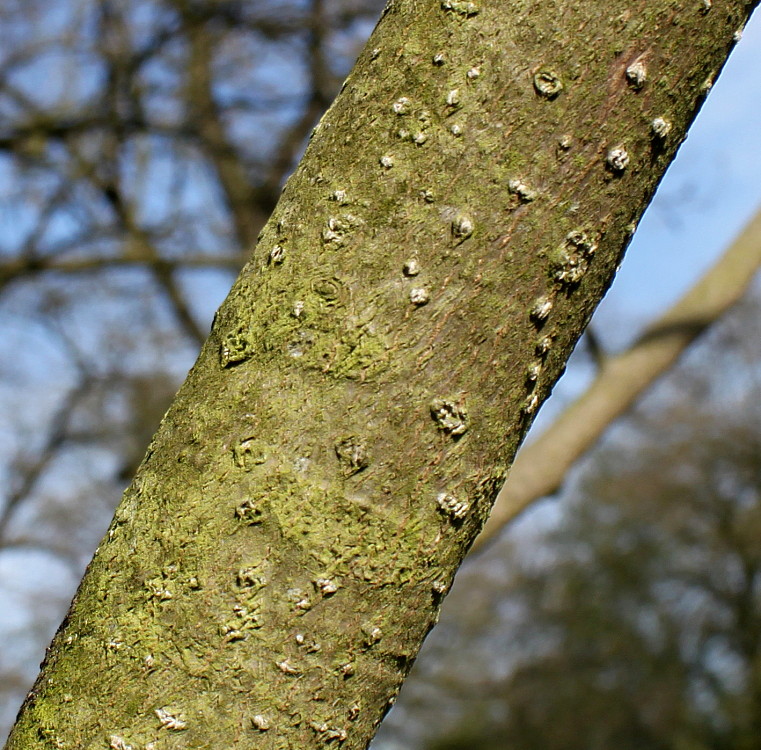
x=541, y=465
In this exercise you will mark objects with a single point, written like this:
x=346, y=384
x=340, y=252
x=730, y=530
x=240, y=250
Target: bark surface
x=540, y=467
x=271, y=572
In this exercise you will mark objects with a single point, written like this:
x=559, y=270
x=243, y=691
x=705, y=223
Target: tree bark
x=271, y=572
x=541, y=465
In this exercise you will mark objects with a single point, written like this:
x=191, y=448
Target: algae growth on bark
x=283, y=550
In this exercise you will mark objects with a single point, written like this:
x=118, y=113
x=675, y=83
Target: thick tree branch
x=284, y=548
x=541, y=465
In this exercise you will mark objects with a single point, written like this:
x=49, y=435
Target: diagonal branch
x=541, y=465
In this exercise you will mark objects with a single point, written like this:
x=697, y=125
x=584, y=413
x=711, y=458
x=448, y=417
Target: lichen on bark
x=272, y=570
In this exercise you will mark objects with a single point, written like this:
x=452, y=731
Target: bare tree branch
x=322, y=93
x=235, y=184
x=541, y=465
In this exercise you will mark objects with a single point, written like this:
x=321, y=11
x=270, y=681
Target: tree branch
x=321, y=95
x=303, y=508
x=541, y=465
x=57, y=436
